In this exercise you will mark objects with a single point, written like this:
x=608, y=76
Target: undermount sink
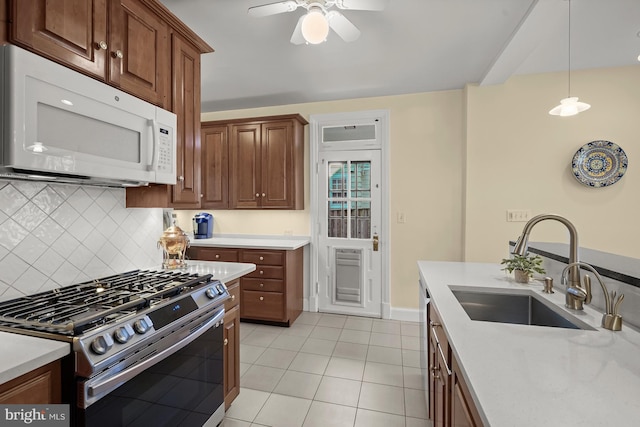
x=517, y=308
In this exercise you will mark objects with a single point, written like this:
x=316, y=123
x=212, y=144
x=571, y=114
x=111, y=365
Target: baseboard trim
x=405, y=314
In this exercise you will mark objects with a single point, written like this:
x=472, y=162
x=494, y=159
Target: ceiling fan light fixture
x=569, y=107
x=315, y=27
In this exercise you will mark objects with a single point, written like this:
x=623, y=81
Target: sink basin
x=516, y=308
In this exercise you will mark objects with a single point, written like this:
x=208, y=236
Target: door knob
x=376, y=242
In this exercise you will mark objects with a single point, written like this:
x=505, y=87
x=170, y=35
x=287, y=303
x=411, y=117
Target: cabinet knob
x=261, y=272
x=102, y=45
x=226, y=341
x=118, y=54
x=261, y=298
x=181, y=178
x=233, y=297
x=257, y=194
x=217, y=256
x=434, y=324
x=262, y=285
x=263, y=195
x=261, y=258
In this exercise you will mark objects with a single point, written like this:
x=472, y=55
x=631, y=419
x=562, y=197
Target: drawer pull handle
x=226, y=341
x=261, y=298
x=261, y=258
x=433, y=370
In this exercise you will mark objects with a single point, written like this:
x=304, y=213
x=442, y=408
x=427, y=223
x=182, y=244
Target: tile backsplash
x=53, y=235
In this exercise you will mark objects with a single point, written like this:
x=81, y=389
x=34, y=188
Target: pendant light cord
x=569, y=73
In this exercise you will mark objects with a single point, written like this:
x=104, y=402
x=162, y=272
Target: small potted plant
x=523, y=266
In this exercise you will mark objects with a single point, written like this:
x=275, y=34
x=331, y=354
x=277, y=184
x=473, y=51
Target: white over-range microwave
x=59, y=125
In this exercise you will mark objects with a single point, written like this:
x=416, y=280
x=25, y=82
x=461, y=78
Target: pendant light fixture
x=569, y=106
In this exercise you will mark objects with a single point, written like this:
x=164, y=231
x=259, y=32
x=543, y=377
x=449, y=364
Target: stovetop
x=76, y=309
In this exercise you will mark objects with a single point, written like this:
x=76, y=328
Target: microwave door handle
x=154, y=155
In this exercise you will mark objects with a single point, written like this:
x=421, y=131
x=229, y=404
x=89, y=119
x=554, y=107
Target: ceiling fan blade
x=342, y=26
x=297, y=37
x=362, y=4
x=272, y=8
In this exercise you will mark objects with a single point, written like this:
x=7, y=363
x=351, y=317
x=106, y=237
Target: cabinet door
x=40, y=386
x=245, y=166
x=139, y=51
x=215, y=167
x=72, y=32
x=277, y=165
x=231, y=355
x=3, y=21
x=186, y=104
x=463, y=410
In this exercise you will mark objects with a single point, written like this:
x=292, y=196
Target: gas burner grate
x=74, y=309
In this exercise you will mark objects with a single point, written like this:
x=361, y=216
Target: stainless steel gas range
x=147, y=346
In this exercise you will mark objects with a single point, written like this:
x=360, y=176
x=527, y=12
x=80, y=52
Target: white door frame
x=315, y=138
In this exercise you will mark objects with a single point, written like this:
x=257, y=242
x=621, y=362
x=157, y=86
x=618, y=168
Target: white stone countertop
x=522, y=375
x=21, y=354
x=252, y=242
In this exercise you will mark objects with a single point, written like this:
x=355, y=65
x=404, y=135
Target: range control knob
x=141, y=326
x=211, y=293
x=123, y=334
x=101, y=344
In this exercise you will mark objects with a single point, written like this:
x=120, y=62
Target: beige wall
x=460, y=159
x=519, y=157
x=426, y=146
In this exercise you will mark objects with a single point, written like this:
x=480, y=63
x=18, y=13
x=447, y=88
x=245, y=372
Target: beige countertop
x=522, y=375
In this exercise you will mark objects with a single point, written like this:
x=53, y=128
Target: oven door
x=181, y=385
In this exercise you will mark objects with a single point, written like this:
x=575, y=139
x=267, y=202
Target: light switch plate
x=518, y=215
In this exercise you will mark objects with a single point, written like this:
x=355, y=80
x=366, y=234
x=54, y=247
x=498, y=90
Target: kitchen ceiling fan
x=313, y=27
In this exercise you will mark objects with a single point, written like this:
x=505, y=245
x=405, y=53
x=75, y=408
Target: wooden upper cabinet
x=266, y=163
x=121, y=42
x=214, y=148
x=4, y=11
x=73, y=32
x=186, y=105
x=245, y=165
x=139, y=56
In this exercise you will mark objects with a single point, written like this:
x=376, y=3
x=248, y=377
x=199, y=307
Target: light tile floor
x=329, y=370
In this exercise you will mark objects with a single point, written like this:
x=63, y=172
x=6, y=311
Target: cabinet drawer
x=262, y=305
x=263, y=285
x=436, y=329
x=215, y=254
x=234, y=291
x=263, y=257
x=267, y=272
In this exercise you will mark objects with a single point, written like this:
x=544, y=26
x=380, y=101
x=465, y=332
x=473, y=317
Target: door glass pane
x=360, y=179
x=349, y=200
x=349, y=133
x=361, y=220
x=337, y=219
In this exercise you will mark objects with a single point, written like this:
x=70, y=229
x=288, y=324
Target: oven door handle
x=96, y=390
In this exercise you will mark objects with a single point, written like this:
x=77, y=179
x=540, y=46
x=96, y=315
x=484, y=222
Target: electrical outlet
x=401, y=218
x=518, y=215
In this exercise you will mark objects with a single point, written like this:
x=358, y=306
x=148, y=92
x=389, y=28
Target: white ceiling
x=412, y=46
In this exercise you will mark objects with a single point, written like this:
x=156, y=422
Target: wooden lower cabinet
x=450, y=402
x=463, y=411
x=232, y=344
x=40, y=386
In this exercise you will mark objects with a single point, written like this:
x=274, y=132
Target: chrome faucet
x=611, y=319
x=573, y=300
